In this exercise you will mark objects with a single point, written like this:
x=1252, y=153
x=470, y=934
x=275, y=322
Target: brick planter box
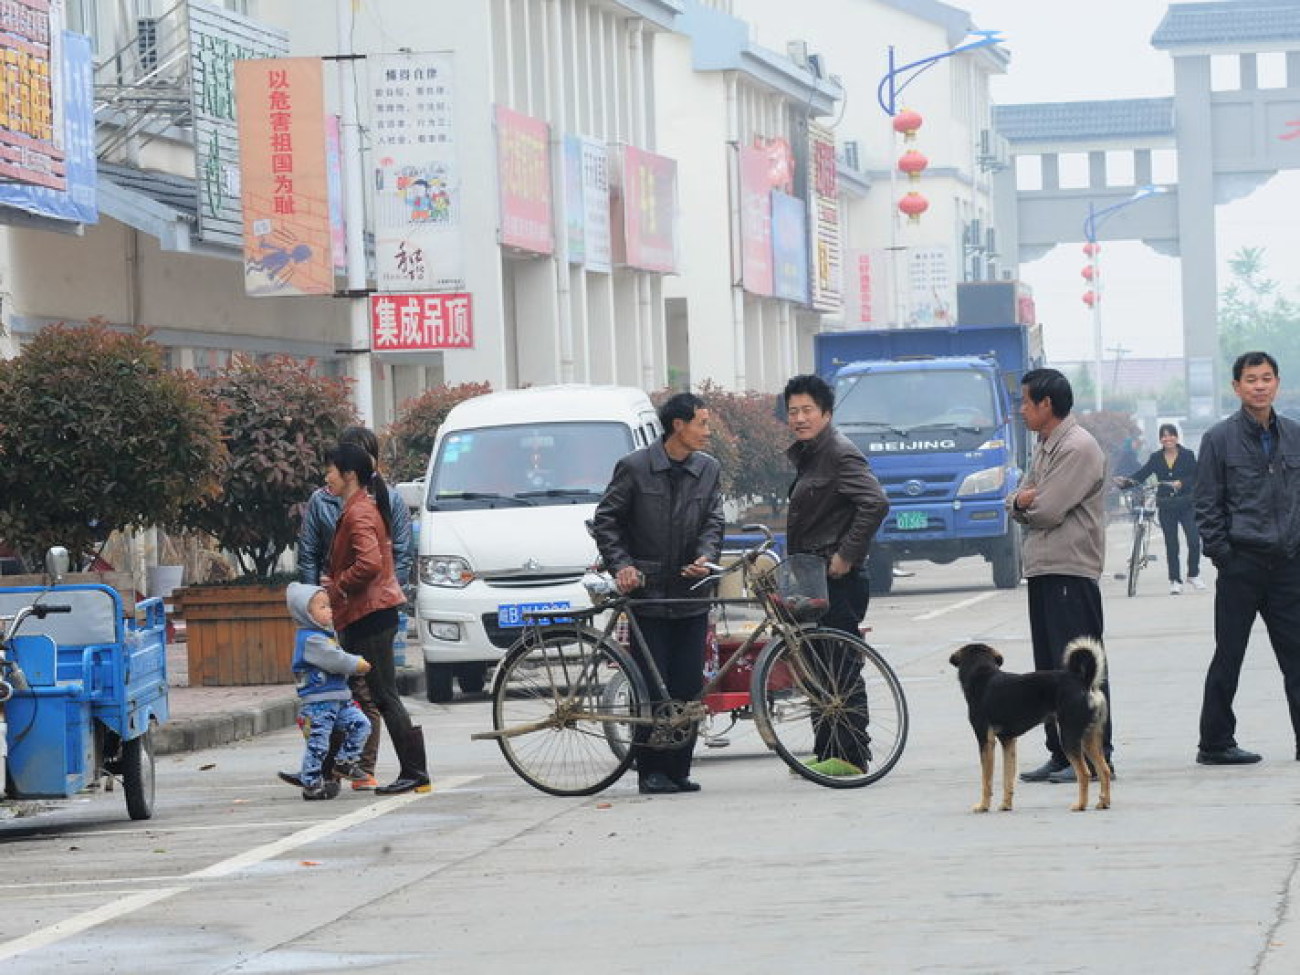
x=236, y=635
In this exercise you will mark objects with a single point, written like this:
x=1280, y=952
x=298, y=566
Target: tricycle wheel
x=138, y=775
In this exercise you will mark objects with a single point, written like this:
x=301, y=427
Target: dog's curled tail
x=1085, y=657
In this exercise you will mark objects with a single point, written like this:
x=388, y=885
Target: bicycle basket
x=801, y=589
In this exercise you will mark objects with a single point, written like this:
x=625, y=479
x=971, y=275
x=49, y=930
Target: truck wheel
x=138, y=775
x=471, y=677
x=437, y=682
x=880, y=573
x=1007, y=560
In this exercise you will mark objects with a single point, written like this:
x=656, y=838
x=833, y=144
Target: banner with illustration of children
x=416, y=178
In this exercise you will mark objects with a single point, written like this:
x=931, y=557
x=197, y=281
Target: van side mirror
x=56, y=563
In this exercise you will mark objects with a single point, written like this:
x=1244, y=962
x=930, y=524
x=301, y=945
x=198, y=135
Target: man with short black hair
x=836, y=507
x=1061, y=507
x=658, y=524
x=1248, y=512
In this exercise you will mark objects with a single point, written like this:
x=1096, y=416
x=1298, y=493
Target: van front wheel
x=438, y=682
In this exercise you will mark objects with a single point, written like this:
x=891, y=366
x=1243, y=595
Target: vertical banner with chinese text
x=524, y=176
x=417, y=178
x=644, y=208
x=31, y=98
x=285, y=183
x=789, y=247
x=824, y=222
x=586, y=202
x=755, y=221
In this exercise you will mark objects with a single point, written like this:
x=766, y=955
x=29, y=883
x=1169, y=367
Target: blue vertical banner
x=77, y=202
x=789, y=247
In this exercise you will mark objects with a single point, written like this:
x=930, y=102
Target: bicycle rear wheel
x=549, y=699
x=830, y=695
x=1137, y=557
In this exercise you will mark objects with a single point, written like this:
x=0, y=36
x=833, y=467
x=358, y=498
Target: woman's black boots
x=414, y=774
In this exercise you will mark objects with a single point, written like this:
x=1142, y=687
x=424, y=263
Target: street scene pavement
x=1192, y=870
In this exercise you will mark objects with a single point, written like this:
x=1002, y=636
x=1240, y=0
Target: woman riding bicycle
x=1174, y=467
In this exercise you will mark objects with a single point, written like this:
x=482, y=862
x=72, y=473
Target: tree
x=278, y=421
x=1255, y=314
x=761, y=470
x=96, y=436
x=1110, y=428
x=409, y=441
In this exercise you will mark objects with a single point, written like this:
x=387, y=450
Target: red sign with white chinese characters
x=421, y=322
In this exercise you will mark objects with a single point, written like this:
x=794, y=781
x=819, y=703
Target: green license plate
x=911, y=520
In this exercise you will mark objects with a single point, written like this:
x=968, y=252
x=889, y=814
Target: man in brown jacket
x=836, y=506
x=1060, y=506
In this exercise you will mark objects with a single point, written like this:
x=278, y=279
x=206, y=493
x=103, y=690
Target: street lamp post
x=1093, y=297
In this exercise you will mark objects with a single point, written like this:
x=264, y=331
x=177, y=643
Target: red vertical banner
x=645, y=208
x=524, y=171
x=284, y=177
x=755, y=221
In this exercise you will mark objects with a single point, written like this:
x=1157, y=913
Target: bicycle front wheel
x=553, y=714
x=830, y=696
x=1137, y=557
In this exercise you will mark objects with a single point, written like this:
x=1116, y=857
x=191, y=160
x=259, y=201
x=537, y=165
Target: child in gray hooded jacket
x=325, y=703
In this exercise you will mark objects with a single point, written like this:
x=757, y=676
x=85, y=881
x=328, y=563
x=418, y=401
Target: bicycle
x=559, y=726
x=1143, y=513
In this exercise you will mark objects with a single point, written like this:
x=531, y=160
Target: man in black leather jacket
x=1248, y=511
x=658, y=523
x=836, y=507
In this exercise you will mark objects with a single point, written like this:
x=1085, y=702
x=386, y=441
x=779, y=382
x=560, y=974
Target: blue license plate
x=912, y=520
x=511, y=615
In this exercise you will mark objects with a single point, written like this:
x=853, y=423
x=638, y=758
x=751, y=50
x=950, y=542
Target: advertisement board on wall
x=219, y=38
x=931, y=292
x=586, y=202
x=524, y=176
x=789, y=247
x=78, y=202
x=288, y=229
x=421, y=322
x=31, y=103
x=824, y=220
x=755, y=221
x=418, y=203
x=643, y=203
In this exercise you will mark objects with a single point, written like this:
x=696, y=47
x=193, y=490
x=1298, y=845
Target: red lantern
x=1089, y=272
x=1091, y=249
x=913, y=204
x=1090, y=298
x=907, y=122
x=913, y=162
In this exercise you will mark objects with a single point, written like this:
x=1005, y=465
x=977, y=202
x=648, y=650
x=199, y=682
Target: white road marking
x=953, y=608
x=63, y=930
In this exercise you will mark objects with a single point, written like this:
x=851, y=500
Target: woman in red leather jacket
x=365, y=597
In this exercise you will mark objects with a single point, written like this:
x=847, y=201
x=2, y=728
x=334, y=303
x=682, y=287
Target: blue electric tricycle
x=81, y=687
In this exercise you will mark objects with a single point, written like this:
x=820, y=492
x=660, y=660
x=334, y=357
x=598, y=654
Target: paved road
x=1193, y=870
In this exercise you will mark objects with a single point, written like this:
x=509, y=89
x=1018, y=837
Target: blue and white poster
x=77, y=202
x=789, y=247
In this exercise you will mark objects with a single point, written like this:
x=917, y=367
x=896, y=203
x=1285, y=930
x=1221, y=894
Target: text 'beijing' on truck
x=936, y=411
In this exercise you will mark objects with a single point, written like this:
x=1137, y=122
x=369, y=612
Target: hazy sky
x=1064, y=50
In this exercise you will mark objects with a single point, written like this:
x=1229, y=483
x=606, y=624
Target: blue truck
x=936, y=412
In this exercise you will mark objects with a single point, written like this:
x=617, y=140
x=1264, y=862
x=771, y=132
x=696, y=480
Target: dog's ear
x=955, y=659
x=996, y=656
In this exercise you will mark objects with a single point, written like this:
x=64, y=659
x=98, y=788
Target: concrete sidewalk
x=206, y=717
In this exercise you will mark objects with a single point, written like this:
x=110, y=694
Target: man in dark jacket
x=658, y=524
x=836, y=506
x=1248, y=511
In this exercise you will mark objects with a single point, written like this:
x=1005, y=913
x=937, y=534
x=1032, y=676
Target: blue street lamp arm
x=1096, y=217
x=890, y=104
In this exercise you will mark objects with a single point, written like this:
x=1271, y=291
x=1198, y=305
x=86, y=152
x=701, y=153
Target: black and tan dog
x=1004, y=706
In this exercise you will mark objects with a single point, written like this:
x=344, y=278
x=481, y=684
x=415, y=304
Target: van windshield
x=527, y=464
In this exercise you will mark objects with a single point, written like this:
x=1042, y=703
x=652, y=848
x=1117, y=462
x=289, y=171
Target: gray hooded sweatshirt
x=320, y=665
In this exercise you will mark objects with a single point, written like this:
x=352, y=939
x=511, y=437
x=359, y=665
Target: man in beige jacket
x=1060, y=506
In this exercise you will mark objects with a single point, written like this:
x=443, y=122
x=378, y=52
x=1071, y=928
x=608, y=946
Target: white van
x=512, y=479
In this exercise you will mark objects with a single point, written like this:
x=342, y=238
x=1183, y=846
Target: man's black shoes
x=1226, y=756
x=1044, y=771
x=658, y=784
x=686, y=785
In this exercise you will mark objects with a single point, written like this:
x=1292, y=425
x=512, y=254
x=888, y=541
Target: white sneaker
x=1197, y=584
x=1175, y=588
